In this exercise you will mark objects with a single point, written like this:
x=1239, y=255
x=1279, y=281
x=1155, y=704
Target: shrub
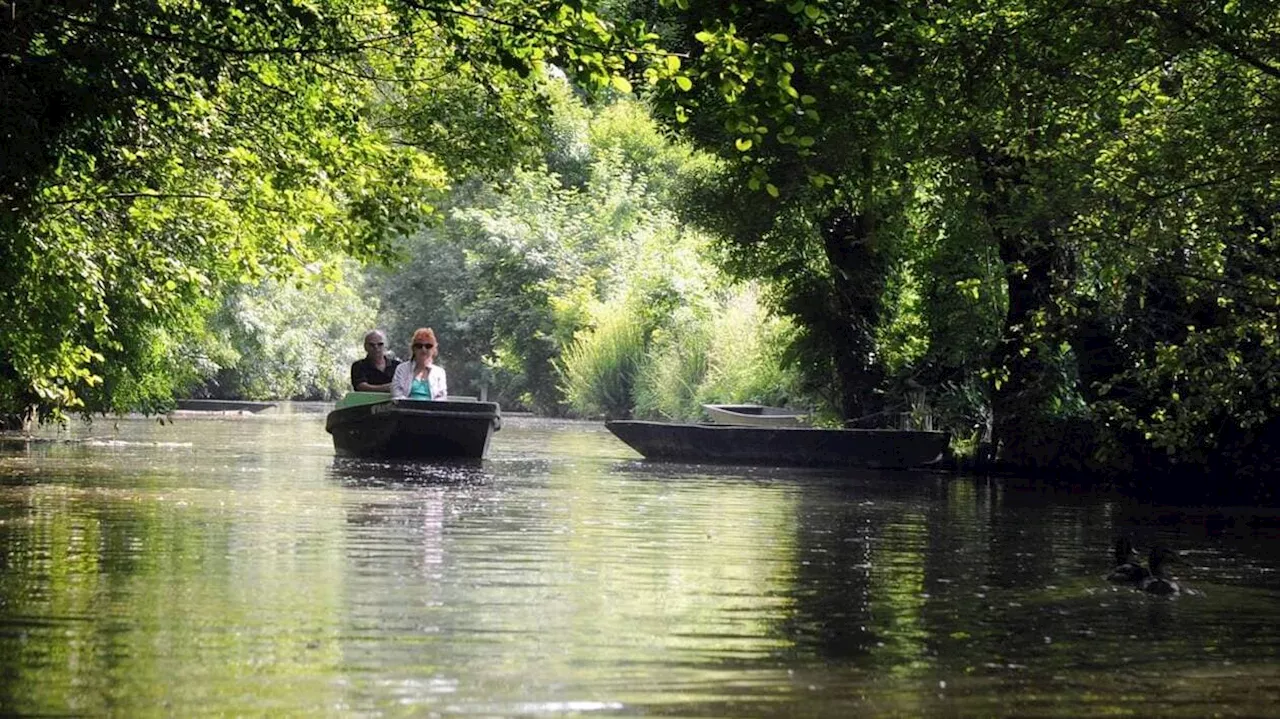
x=599, y=366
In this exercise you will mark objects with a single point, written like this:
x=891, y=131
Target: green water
x=233, y=566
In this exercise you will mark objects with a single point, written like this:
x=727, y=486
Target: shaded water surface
x=235, y=566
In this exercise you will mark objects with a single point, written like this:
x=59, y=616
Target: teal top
x=420, y=389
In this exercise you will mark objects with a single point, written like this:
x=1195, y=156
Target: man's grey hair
x=379, y=334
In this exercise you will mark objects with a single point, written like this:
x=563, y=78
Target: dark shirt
x=362, y=370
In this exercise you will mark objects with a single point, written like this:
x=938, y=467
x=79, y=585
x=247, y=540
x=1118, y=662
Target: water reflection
x=355, y=473
x=235, y=566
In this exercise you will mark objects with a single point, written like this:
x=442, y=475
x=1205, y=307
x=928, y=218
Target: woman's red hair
x=424, y=334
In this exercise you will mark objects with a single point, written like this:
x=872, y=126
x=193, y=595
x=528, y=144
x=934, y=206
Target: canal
x=218, y=565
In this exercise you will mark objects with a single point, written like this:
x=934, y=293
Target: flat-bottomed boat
x=780, y=446
x=371, y=424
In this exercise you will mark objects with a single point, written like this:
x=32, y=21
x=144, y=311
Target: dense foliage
x=157, y=153
x=1050, y=228
x=285, y=340
x=551, y=288
x=1061, y=216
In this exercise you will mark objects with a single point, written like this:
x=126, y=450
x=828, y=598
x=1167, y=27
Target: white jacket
x=402, y=382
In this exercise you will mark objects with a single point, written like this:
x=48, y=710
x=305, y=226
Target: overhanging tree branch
x=159, y=37
x=539, y=31
x=1215, y=40
x=127, y=196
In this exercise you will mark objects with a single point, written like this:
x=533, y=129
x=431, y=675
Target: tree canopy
x=157, y=152
x=1052, y=227
x=1078, y=204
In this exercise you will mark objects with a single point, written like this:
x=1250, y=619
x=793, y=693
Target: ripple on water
x=238, y=567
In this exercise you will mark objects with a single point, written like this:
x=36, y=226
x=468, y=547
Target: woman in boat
x=420, y=377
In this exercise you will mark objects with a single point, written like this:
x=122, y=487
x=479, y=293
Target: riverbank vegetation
x=1065, y=216
x=1049, y=230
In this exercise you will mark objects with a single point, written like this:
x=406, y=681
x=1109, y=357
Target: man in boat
x=374, y=372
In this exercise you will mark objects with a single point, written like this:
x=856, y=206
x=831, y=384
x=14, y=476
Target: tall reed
x=598, y=368
x=667, y=385
x=730, y=354
x=745, y=355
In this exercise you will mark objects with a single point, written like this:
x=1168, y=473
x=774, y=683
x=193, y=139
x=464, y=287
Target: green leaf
x=780, y=37
x=620, y=83
x=743, y=144
x=771, y=189
x=684, y=83
x=673, y=63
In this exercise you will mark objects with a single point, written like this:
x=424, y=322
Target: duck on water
x=1159, y=582
x=1127, y=569
x=1152, y=578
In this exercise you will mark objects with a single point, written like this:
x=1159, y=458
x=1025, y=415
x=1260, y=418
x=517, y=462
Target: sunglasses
x=422, y=345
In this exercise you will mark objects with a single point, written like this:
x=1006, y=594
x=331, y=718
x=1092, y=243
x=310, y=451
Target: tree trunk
x=1031, y=257
x=857, y=277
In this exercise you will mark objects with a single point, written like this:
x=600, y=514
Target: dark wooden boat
x=222, y=405
x=370, y=424
x=780, y=446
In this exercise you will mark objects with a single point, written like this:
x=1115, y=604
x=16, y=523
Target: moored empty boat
x=222, y=405
x=780, y=446
x=755, y=415
x=371, y=424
